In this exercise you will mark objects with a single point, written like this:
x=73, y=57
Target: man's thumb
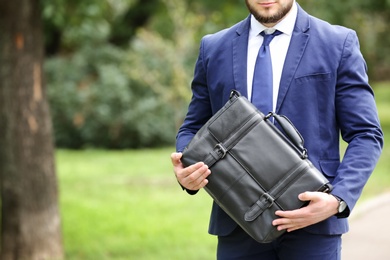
x=175, y=158
x=306, y=196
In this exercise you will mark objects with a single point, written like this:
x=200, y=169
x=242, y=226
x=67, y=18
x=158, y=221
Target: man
x=319, y=82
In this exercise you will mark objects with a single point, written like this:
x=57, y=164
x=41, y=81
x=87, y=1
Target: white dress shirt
x=278, y=49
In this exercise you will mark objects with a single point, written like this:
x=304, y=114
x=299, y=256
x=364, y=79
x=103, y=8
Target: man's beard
x=270, y=19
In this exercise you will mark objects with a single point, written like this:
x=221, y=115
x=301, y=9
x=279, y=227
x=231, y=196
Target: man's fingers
x=192, y=177
x=195, y=174
x=321, y=207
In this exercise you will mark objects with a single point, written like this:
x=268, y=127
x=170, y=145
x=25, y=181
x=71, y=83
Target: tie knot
x=268, y=37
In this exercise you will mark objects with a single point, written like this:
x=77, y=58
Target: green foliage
x=137, y=95
x=124, y=26
x=95, y=103
x=104, y=96
x=71, y=24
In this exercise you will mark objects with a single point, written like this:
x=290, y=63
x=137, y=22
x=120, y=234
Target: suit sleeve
x=359, y=124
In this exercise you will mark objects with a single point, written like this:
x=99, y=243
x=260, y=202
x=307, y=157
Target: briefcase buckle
x=268, y=198
x=221, y=150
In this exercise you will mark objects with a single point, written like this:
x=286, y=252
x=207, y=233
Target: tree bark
x=30, y=219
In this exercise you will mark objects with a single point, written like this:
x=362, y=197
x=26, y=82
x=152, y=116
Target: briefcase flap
x=240, y=113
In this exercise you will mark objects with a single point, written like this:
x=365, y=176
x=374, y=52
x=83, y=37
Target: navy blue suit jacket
x=324, y=91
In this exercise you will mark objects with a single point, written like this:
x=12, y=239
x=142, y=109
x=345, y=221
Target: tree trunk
x=30, y=220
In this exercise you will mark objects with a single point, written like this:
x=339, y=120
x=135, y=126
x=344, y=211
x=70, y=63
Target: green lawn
x=127, y=204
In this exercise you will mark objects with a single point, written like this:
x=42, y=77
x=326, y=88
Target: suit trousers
x=296, y=245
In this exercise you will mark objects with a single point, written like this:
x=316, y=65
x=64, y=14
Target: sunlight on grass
x=127, y=205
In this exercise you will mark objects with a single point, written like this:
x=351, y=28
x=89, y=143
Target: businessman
x=313, y=73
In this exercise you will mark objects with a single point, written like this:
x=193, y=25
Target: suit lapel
x=295, y=52
x=240, y=53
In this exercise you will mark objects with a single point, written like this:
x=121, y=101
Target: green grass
x=127, y=204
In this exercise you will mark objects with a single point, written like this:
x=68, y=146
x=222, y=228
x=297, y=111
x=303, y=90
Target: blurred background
x=118, y=72
x=92, y=94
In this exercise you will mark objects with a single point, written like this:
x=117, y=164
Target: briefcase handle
x=287, y=126
x=291, y=132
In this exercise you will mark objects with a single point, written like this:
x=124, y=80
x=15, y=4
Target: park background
x=117, y=80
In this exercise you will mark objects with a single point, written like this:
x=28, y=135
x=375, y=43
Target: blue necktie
x=262, y=88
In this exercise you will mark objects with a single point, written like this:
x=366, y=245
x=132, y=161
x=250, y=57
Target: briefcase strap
x=222, y=148
x=267, y=199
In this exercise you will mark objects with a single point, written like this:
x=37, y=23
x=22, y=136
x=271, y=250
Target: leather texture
x=256, y=169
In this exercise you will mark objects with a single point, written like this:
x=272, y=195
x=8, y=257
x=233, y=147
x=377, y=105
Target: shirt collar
x=286, y=25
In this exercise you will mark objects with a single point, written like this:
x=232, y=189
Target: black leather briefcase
x=255, y=168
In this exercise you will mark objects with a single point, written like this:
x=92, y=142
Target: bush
x=94, y=103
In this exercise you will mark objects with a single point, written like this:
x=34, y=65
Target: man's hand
x=192, y=177
x=321, y=207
